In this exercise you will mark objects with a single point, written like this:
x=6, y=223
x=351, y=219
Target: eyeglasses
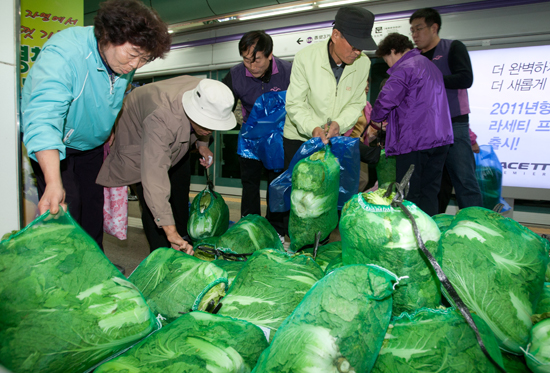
x=414, y=30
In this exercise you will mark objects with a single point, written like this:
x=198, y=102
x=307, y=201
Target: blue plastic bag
x=489, y=178
x=261, y=137
x=346, y=149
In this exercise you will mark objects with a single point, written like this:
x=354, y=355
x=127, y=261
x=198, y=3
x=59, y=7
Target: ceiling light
x=275, y=12
x=170, y=31
x=340, y=2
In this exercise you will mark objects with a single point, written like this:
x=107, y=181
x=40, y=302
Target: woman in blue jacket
x=419, y=130
x=71, y=98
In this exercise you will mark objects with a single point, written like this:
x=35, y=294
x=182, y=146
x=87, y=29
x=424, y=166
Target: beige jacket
x=152, y=134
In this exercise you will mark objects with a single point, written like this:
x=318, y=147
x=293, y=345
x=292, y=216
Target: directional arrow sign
x=299, y=41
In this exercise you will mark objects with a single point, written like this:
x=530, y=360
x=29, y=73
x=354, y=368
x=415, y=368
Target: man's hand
x=333, y=130
x=320, y=132
x=371, y=133
x=177, y=242
x=475, y=148
x=207, y=156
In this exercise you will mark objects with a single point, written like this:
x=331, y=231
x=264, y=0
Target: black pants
x=426, y=178
x=251, y=174
x=180, y=180
x=83, y=196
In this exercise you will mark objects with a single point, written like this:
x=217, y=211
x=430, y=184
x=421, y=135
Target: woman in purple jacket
x=419, y=130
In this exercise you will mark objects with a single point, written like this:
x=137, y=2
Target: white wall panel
x=9, y=139
x=177, y=60
x=7, y=28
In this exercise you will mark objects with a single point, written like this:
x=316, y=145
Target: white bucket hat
x=210, y=105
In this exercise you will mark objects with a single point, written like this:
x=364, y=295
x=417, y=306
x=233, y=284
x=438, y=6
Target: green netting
x=314, y=198
x=385, y=170
x=373, y=233
x=208, y=216
x=338, y=327
x=497, y=267
x=443, y=221
x=231, y=267
x=436, y=341
x=326, y=253
x=334, y=263
x=174, y=283
x=197, y=342
x=250, y=234
x=514, y=363
x=537, y=353
x=543, y=306
x=64, y=307
x=269, y=287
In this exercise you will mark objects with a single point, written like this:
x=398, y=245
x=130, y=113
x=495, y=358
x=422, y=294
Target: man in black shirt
x=452, y=58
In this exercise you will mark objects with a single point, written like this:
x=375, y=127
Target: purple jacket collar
x=274, y=69
x=410, y=54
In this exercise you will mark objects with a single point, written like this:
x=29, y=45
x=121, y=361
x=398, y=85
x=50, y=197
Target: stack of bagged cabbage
x=371, y=302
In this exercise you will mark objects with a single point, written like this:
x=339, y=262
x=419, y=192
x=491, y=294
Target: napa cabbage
x=497, y=267
x=537, y=353
x=314, y=198
x=436, y=340
x=269, y=286
x=195, y=342
x=208, y=215
x=64, y=307
x=174, y=283
x=337, y=328
x=374, y=232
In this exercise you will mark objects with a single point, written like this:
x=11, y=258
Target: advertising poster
x=510, y=110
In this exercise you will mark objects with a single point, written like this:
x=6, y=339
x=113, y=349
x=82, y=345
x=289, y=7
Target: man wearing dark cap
x=326, y=94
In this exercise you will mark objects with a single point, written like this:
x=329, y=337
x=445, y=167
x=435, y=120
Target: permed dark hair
x=261, y=41
x=400, y=43
x=121, y=21
x=430, y=16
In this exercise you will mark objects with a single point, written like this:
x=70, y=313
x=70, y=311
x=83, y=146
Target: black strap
x=401, y=190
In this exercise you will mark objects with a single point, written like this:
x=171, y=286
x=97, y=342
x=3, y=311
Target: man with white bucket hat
x=157, y=126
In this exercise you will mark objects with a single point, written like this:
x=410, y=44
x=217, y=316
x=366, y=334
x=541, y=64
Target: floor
x=130, y=252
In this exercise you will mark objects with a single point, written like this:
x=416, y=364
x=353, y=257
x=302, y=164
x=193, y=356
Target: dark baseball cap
x=355, y=23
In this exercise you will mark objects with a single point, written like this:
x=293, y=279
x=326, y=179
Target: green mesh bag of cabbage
x=326, y=253
x=338, y=327
x=208, y=215
x=232, y=267
x=197, y=342
x=537, y=353
x=385, y=170
x=64, y=306
x=497, y=267
x=314, y=198
x=374, y=232
x=251, y=233
x=269, y=287
x=436, y=340
x=174, y=283
x=443, y=221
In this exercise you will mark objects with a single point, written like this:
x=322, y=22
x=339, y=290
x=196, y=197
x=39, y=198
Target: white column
x=10, y=186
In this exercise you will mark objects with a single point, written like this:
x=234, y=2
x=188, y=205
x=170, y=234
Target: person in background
x=71, y=99
x=260, y=72
x=158, y=125
x=446, y=191
x=419, y=130
x=326, y=94
x=452, y=58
